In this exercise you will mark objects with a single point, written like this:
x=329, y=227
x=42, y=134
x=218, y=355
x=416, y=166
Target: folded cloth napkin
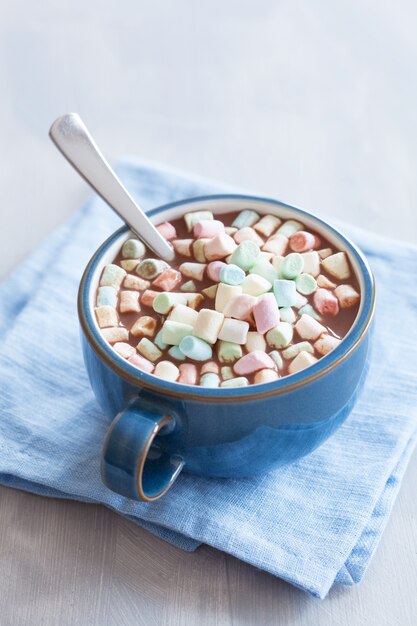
x=314, y=523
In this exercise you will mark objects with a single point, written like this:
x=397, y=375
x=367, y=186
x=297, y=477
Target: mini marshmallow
x=208, y=229
x=287, y=314
x=228, y=352
x=265, y=376
x=265, y=269
x=133, y=249
x=166, y=300
x=136, y=283
x=210, y=366
x=240, y=381
x=193, y=270
x=292, y=351
x=213, y=270
x=235, y=331
x=266, y=313
x=337, y=265
x=188, y=374
x=148, y=349
x=255, y=285
x=199, y=249
x=302, y=241
x=311, y=263
x=112, y=275
x=141, y=363
x=232, y=275
x=176, y=353
x=195, y=348
x=107, y=296
x=280, y=336
x=150, y=268
x=167, y=371
x=252, y=362
x=129, y=302
x=168, y=280
x=173, y=332
x=277, y=262
x=323, y=281
x=301, y=361
x=197, y=216
x=148, y=297
x=183, y=246
x=326, y=343
x=255, y=341
x=210, y=292
x=158, y=340
x=305, y=284
x=267, y=225
x=225, y=294
x=167, y=230
x=292, y=265
x=325, y=302
x=277, y=359
x=116, y=334
x=189, y=286
x=245, y=218
x=289, y=227
x=208, y=325
x=307, y=309
x=227, y=372
x=248, y=234
x=210, y=380
x=240, y=306
x=129, y=264
x=347, y=296
x=268, y=256
x=277, y=244
x=124, y=349
x=106, y=316
x=309, y=328
x=285, y=292
x=144, y=325
x=194, y=300
x=219, y=247
x=183, y=313
x=325, y=252
x=245, y=255
x=300, y=300
x=230, y=230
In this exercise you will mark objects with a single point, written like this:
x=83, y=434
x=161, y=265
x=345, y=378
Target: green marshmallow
x=287, y=314
x=174, y=332
x=245, y=255
x=176, y=353
x=150, y=268
x=280, y=336
x=264, y=269
x=197, y=216
x=210, y=380
x=307, y=309
x=305, y=284
x=166, y=300
x=133, y=249
x=112, y=276
x=226, y=372
x=189, y=286
x=289, y=227
x=148, y=349
x=245, y=218
x=291, y=266
x=292, y=351
x=228, y=351
x=159, y=342
x=277, y=359
x=241, y=381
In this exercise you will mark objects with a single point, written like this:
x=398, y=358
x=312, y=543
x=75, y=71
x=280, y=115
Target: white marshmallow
x=107, y=315
x=255, y=341
x=198, y=249
x=267, y=225
x=301, y=361
x=184, y=314
x=235, y=331
x=326, y=344
x=193, y=270
x=255, y=285
x=309, y=328
x=347, y=296
x=208, y=325
x=277, y=244
x=311, y=263
x=224, y=295
x=167, y=371
x=337, y=265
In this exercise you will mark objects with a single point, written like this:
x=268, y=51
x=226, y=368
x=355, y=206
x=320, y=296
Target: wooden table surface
x=313, y=103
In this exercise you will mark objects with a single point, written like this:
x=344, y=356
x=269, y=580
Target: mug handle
x=133, y=462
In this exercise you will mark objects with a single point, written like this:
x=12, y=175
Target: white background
x=314, y=103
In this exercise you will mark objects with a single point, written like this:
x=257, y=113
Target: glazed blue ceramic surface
x=161, y=428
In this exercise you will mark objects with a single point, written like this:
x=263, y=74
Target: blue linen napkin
x=314, y=523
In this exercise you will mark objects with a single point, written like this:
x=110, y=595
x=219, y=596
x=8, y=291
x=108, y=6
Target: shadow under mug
x=160, y=428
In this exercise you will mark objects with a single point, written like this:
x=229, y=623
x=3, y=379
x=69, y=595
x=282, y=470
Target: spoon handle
x=72, y=138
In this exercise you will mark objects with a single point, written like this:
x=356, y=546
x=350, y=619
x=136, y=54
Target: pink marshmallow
x=219, y=247
x=266, y=313
x=168, y=279
x=167, y=231
x=208, y=229
x=248, y=234
x=148, y=297
x=325, y=302
x=213, y=270
x=188, y=374
x=240, y=307
x=302, y=241
x=141, y=363
x=253, y=362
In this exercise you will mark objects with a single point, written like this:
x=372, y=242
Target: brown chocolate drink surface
x=330, y=298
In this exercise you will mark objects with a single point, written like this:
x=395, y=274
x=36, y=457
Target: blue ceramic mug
x=160, y=428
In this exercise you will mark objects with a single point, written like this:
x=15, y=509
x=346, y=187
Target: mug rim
x=138, y=377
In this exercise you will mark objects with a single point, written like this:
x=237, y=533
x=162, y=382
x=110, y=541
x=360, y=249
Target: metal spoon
x=71, y=137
